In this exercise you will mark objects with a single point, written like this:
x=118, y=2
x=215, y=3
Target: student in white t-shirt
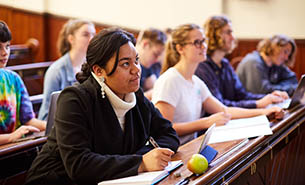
x=181, y=96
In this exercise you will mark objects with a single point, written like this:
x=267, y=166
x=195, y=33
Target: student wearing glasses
x=266, y=69
x=181, y=96
x=150, y=45
x=218, y=74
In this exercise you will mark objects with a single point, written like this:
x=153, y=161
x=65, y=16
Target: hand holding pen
x=156, y=159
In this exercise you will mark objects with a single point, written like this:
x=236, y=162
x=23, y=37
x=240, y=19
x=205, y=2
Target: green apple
x=198, y=164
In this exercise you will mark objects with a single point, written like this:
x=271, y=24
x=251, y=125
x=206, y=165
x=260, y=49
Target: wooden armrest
x=29, y=66
x=36, y=99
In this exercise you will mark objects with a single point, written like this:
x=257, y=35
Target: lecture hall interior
x=277, y=158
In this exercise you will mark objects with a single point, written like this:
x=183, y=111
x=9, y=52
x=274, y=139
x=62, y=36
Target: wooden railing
x=33, y=76
x=23, y=53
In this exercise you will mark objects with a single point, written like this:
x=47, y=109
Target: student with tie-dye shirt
x=16, y=111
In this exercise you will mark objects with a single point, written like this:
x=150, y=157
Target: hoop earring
x=102, y=80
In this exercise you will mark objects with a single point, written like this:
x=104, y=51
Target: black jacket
x=87, y=144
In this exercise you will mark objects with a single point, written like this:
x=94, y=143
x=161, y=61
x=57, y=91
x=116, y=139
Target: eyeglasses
x=197, y=43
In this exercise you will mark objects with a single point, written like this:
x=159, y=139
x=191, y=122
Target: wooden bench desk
x=16, y=159
x=274, y=159
x=32, y=75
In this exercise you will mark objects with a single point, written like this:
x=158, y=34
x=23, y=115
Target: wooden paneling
x=42, y=26
x=53, y=26
x=25, y=25
x=45, y=28
x=299, y=66
x=284, y=165
x=248, y=45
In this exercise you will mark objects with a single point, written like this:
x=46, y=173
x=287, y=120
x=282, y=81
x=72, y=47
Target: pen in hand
x=153, y=142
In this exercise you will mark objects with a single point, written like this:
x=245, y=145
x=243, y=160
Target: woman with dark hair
x=102, y=125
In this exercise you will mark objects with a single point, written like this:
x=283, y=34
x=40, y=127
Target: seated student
x=150, y=45
x=265, y=70
x=156, y=67
x=181, y=96
x=102, y=125
x=72, y=43
x=218, y=74
x=17, y=117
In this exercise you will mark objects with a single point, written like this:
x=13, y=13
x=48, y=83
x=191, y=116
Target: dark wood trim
x=44, y=27
x=97, y=24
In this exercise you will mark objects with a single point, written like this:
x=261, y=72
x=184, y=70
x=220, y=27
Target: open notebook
x=146, y=177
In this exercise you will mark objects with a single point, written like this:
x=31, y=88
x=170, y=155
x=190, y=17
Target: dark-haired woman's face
x=4, y=53
x=126, y=78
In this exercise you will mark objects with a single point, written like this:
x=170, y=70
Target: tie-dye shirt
x=15, y=106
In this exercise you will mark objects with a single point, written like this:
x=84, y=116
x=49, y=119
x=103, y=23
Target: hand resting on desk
x=21, y=131
x=274, y=112
x=220, y=118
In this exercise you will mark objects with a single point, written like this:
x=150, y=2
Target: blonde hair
x=270, y=45
x=178, y=37
x=213, y=27
x=69, y=28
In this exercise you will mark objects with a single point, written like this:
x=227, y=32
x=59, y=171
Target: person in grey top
x=266, y=69
x=72, y=43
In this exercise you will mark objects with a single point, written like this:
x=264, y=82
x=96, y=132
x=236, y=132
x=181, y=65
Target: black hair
x=102, y=47
x=5, y=33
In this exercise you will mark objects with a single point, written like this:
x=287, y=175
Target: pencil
x=153, y=142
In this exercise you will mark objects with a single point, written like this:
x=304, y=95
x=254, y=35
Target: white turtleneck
x=120, y=106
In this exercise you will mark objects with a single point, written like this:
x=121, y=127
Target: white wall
x=251, y=18
x=138, y=14
x=32, y=5
x=263, y=18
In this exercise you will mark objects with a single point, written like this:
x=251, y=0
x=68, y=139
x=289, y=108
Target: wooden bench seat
x=32, y=75
x=23, y=53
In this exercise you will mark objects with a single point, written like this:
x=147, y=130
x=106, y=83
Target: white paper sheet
x=241, y=128
x=248, y=121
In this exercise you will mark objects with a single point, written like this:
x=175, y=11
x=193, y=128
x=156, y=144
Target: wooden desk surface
x=16, y=159
x=241, y=163
x=242, y=160
x=11, y=148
